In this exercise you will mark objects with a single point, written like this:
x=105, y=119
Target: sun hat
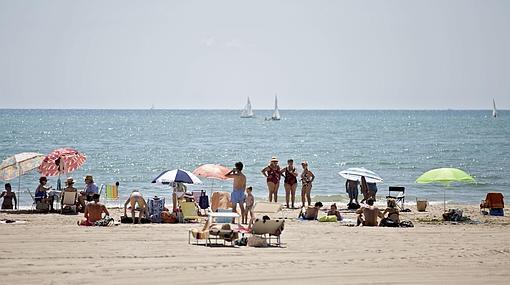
x=274, y=159
x=304, y=162
x=69, y=181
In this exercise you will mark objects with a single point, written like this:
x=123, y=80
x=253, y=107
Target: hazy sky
x=212, y=54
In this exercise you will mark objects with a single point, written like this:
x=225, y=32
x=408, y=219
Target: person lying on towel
x=93, y=212
x=368, y=214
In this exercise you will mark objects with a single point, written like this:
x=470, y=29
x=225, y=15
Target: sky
x=214, y=54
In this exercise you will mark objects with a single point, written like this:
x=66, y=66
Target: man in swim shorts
x=239, y=185
x=136, y=199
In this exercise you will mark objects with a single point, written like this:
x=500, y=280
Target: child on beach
x=250, y=201
x=333, y=211
x=310, y=213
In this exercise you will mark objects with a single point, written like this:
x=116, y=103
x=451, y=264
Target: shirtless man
x=94, y=212
x=368, y=214
x=136, y=199
x=237, y=196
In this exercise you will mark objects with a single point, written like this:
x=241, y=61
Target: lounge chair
x=69, y=199
x=33, y=199
x=189, y=211
x=199, y=234
x=268, y=229
x=156, y=206
x=225, y=234
x=495, y=203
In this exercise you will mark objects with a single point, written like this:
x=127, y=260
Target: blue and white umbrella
x=355, y=174
x=176, y=175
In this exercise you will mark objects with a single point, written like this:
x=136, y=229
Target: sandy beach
x=52, y=249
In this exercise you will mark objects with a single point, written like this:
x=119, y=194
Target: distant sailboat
x=494, y=111
x=247, y=111
x=276, y=112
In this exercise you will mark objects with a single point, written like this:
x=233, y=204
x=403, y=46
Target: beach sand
x=52, y=249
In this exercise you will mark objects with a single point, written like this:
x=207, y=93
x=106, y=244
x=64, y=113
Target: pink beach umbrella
x=62, y=160
x=214, y=171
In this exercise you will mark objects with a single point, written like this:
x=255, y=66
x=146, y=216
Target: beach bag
x=328, y=219
x=388, y=223
x=406, y=224
x=167, y=217
x=203, y=202
x=256, y=241
x=353, y=206
x=104, y=222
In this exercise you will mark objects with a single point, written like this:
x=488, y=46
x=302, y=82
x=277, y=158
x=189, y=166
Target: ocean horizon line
x=226, y=109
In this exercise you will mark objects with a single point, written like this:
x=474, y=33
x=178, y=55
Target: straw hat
x=274, y=159
x=304, y=162
x=70, y=181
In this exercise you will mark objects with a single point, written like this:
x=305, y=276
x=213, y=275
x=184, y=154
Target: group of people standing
x=369, y=190
x=274, y=173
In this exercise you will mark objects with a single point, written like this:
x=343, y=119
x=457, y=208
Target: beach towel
x=156, y=207
x=328, y=219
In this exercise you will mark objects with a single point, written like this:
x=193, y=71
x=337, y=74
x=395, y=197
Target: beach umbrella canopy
x=62, y=160
x=355, y=173
x=19, y=164
x=214, y=171
x=176, y=175
x=445, y=176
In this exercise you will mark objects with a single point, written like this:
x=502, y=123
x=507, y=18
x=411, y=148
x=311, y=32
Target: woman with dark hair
x=41, y=195
x=290, y=182
x=8, y=196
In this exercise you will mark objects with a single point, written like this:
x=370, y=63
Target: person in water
x=290, y=183
x=272, y=173
x=239, y=186
x=93, y=212
x=8, y=196
x=136, y=200
x=307, y=177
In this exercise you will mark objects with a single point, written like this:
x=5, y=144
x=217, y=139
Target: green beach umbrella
x=445, y=176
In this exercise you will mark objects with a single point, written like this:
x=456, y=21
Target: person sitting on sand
x=311, y=213
x=333, y=211
x=368, y=214
x=89, y=191
x=136, y=199
x=392, y=211
x=239, y=186
x=93, y=212
x=8, y=196
x=41, y=195
x=250, y=201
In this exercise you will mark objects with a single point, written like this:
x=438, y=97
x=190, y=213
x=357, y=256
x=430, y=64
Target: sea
x=134, y=146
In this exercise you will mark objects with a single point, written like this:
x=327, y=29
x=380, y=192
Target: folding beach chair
x=156, y=206
x=495, y=203
x=268, y=229
x=400, y=197
x=189, y=211
x=69, y=199
x=33, y=199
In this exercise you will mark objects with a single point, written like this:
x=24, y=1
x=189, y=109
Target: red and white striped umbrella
x=62, y=160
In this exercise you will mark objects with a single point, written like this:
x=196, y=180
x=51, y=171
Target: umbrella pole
x=19, y=190
x=444, y=200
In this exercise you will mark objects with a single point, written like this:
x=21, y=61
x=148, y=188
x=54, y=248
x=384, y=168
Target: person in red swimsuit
x=290, y=182
x=273, y=173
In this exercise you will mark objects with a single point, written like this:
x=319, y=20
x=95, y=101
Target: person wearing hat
x=89, y=190
x=41, y=196
x=69, y=188
x=307, y=178
x=272, y=172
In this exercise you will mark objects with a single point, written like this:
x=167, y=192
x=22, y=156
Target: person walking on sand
x=93, y=212
x=239, y=185
x=8, y=196
x=136, y=199
x=290, y=182
x=273, y=173
x=307, y=178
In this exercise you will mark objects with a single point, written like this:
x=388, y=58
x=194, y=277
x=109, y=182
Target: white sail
x=247, y=111
x=494, y=111
x=276, y=112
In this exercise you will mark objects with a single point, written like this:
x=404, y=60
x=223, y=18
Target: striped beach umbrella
x=355, y=173
x=62, y=160
x=176, y=175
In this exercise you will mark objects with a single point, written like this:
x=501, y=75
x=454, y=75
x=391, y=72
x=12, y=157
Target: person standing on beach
x=307, y=178
x=290, y=182
x=239, y=185
x=351, y=187
x=273, y=173
x=8, y=196
x=364, y=189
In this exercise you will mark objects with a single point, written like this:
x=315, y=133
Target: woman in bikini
x=273, y=173
x=290, y=182
x=8, y=196
x=307, y=178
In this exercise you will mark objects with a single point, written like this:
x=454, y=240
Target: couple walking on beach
x=273, y=173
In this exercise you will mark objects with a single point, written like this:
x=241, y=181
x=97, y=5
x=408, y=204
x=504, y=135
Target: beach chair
x=400, y=197
x=189, y=211
x=198, y=235
x=69, y=199
x=269, y=229
x=111, y=192
x=495, y=203
x=33, y=199
x=156, y=206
